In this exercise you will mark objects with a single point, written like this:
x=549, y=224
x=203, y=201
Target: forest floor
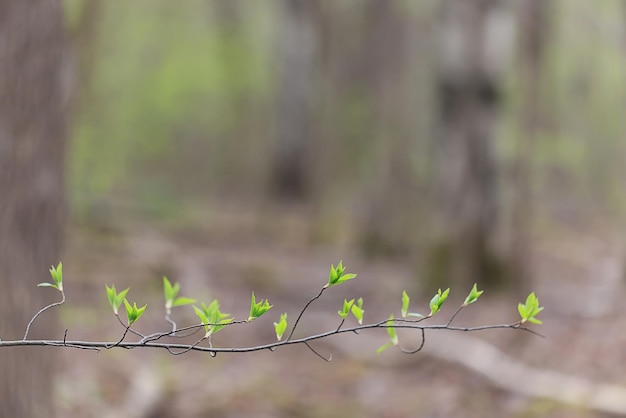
x=578, y=276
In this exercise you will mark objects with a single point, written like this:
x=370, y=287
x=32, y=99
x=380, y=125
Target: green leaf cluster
x=338, y=275
x=116, y=299
x=530, y=309
x=57, y=278
x=345, y=310
x=473, y=295
x=258, y=308
x=170, y=293
x=212, y=318
x=133, y=312
x=405, y=306
x=438, y=300
x=281, y=326
x=358, y=311
x=393, y=336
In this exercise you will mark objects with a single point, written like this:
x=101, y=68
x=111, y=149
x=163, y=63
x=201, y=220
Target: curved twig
x=42, y=310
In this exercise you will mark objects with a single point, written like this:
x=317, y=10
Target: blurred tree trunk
x=383, y=74
x=32, y=137
x=472, y=52
x=533, y=34
x=295, y=94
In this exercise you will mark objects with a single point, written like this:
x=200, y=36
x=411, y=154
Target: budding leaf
x=258, y=308
x=337, y=275
x=405, y=304
x=133, y=313
x=473, y=295
x=115, y=299
x=530, y=309
x=57, y=278
x=357, y=310
x=347, y=304
x=391, y=331
x=170, y=293
x=438, y=300
x=281, y=326
x=212, y=318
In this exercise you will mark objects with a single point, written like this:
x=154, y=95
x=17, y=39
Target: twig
x=302, y=312
x=42, y=310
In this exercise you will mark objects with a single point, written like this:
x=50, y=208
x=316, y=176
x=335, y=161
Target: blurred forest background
x=401, y=128
x=438, y=143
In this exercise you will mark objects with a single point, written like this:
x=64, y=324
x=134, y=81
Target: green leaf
x=212, y=318
x=183, y=301
x=169, y=290
x=392, y=331
x=258, y=308
x=347, y=305
x=473, y=295
x=405, y=304
x=47, y=285
x=358, y=311
x=281, y=326
x=438, y=300
x=337, y=275
x=132, y=312
x=383, y=348
x=530, y=309
x=115, y=299
x=57, y=278
x=57, y=275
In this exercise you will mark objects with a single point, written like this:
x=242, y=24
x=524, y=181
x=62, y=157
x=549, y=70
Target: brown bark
x=32, y=137
x=468, y=85
x=295, y=96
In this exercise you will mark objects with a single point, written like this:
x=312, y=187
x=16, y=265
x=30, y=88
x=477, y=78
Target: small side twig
x=42, y=310
x=293, y=329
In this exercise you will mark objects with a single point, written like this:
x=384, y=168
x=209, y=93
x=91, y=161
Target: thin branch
x=139, y=334
x=172, y=323
x=328, y=360
x=270, y=346
x=418, y=349
x=121, y=339
x=455, y=314
x=302, y=312
x=42, y=310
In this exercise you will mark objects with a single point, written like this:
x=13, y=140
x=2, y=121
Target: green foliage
x=530, y=309
x=116, y=299
x=212, y=318
x=170, y=293
x=438, y=300
x=338, y=275
x=57, y=278
x=473, y=295
x=258, y=308
x=405, y=306
x=281, y=326
x=391, y=331
x=347, y=305
x=357, y=310
x=133, y=313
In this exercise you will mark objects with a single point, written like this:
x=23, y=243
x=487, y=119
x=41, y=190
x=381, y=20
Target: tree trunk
x=533, y=33
x=471, y=58
x=32, y=139
x=295, y=92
